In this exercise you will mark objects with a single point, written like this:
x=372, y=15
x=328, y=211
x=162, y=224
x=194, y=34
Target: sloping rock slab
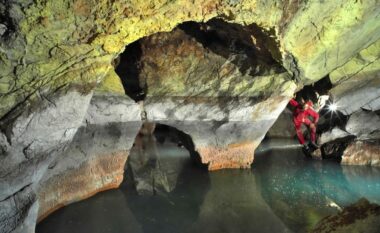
x=359, y=217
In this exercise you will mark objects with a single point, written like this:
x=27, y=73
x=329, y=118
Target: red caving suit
x=300, y=116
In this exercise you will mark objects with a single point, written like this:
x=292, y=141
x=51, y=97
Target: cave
x=158, y=158
x=175, y=116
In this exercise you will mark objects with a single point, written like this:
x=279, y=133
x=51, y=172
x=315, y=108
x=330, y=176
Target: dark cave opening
x=318, y=93
x=128, y=69
x=256, y=45
x=8, y=23
x=165, y=132
x=158, y=157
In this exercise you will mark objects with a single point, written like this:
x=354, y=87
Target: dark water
x=283, y=192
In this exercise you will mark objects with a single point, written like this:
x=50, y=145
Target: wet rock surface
x=19, y=212
x=283, y=127
x=356, y=142
x=31, y=143
x=67, y=41
x=225, y=116
x=361, y=216
x=362, y=153
x=95, y=159
x=284, y=192
x=54, y=53
x=365, y=125
x=356, y=93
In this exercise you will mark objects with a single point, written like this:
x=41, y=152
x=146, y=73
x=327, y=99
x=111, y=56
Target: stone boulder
x=358, y=143
x=283, y=127
x=362, y=153
x=223, y=97
x=365, y=125
x=361, y=216
x=356, y=92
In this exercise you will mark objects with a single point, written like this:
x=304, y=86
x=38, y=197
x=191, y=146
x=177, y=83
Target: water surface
x=283, y=192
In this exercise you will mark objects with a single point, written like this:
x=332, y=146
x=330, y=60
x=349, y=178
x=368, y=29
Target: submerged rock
x=361, y=216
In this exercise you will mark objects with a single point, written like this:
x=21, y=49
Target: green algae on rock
x=52, y=45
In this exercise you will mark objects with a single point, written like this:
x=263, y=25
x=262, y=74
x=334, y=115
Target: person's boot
x=313, y=145
x=306, y=149
x=306, y=146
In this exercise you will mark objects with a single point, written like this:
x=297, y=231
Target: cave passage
x=157, y=158
x=128, y=69
x=319, y=94
x=283, y=192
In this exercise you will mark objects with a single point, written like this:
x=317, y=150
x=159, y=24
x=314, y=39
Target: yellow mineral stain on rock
x=311, y=31
x=111, y=83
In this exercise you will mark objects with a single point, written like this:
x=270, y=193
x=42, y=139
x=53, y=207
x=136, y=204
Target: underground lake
x=284, y=191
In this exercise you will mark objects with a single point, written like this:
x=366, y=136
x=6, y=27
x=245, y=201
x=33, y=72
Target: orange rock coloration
x=94, y=161
x=50, y=46
x=362, y=153
x=232, y=156
x=216, y=87
x=99, y=174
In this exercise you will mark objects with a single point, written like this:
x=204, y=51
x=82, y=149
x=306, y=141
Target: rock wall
x=357, y=83
x=362, y=153
x=356, y=92
x=54, y=53
x=361, y=216
x=283, y=126
x=95, y=159
x=215, y=88
x=35, y=139
x=48, y=43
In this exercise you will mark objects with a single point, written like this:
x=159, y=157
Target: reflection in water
x=284, y=192
x=302, y=191
x=234, y=204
